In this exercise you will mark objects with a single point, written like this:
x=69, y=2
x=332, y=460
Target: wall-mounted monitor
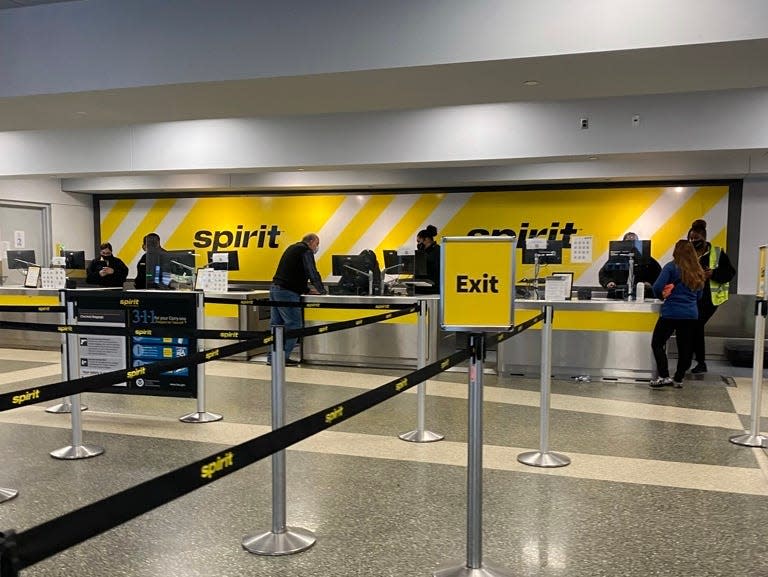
x=20, y=258
x=226, y=261
x=552, y=253
x=74, y=259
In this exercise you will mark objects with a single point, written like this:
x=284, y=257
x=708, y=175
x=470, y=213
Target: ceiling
x=690, y=68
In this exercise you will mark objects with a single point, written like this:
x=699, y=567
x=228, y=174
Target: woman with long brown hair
x=680, y=285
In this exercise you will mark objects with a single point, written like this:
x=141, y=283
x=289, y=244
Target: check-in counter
x=21, y=296
x=237, y=317
x=606, y=339
x=391, y=343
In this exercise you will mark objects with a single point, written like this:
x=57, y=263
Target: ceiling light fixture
x=531, y=83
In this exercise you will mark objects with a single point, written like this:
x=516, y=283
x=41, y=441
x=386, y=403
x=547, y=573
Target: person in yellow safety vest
x=719, y=272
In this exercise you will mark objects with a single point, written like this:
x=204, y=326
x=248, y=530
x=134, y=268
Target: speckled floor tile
x=654, y=488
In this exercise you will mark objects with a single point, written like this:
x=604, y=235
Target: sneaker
x=291, y=363
x=677, y=384
x=661, y=382
x=699, y=368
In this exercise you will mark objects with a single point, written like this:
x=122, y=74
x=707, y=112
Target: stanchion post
x=64, y=406
x=281, y=539
x=77, y=450
x=474, y=566
x=544, y=457
x=754, y=438
x=201, y=415
x=421, y=435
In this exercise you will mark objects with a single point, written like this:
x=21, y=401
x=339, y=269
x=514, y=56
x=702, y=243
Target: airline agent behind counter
x=432, y=253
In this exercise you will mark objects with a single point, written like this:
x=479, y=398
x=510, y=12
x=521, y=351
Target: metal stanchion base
x=421, y=436
x=485, y=570
x=539, y=459
x=198, y=417
x=7, y=494
x=78, y=452
x=64, y=407
x=293, y=540
x=750, y=440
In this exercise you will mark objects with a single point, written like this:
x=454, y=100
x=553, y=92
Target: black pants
x=683, y=329
x=706, y=310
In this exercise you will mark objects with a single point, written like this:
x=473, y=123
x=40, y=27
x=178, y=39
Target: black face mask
x=699, y=244
x=419, y=246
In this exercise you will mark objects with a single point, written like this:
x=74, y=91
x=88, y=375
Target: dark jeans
x=290, y=317
x=706, y=310
x=683, y=329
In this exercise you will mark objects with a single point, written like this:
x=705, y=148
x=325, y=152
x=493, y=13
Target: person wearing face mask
x=718, y=271
x=107, y=270
x=294, y=271
x=432, y=257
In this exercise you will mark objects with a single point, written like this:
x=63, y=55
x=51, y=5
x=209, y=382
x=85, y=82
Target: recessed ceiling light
x=591, y=158
x=300, y=169
x=531, y=83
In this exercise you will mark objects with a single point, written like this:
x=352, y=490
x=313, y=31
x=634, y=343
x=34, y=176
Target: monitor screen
x=232, y=262
x=164, y=267
x=552, y=254
x=20, y=258
x=622, y=248
x=341, y=262
x=391, y=259
x=74, y=259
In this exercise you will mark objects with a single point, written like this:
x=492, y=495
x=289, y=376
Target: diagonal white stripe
x=335, y=225
x=386, y=222
x=716, y=218
x=445, y=211
x=654, y=217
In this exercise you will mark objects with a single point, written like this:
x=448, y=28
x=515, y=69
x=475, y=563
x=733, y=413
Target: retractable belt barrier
x=40, y=542
x=43, y=393
x=18, y=551
x=328, y=305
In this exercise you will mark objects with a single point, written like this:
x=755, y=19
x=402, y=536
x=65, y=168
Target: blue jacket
x=682, y=302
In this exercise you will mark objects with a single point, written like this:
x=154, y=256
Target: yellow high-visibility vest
x=719, y=290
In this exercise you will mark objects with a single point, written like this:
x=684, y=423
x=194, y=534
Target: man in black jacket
x=296, y=267
x=106, y=270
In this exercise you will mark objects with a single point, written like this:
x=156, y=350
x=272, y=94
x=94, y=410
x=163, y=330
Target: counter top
x=607, y=305
x=366, y=299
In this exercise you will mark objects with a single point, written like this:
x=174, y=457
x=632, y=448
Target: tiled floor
x=654, y=487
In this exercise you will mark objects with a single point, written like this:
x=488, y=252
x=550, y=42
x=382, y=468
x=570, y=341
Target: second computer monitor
x=74, y=259
x=20, y=258
x=232, y=262
x=552, y=254
x=162, y=266
x=640, y=248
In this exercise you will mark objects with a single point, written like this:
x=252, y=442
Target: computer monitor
x=165, y=267
x=340, y=264
x=360, y=273
x=641, y=249
x=391, y=260
x=19, y=258
x=73, y=259
x=232, y=262
x=552, y=254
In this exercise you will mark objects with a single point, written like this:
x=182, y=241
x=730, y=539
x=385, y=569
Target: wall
x=71, y=213
x=754, y=233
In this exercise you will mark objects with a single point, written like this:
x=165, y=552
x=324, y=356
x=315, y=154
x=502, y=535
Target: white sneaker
x=661, y=382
